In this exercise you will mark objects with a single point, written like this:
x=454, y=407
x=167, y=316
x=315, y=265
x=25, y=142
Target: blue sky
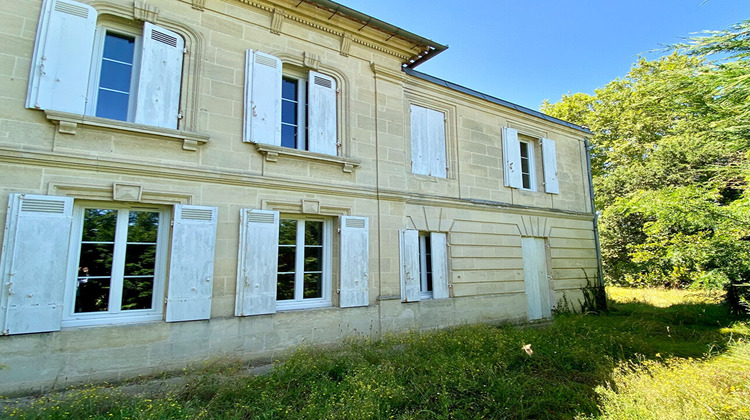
x=525, y=51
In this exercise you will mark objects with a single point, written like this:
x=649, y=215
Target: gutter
x=596, y=215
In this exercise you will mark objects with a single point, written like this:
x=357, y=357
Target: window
x=108, y=69
x=520, y=167
x=288, y=106
x=285, y=262
x=428, y=153
x=103, y=263
x=303, y=273
x=424, y=265
x=120, y=262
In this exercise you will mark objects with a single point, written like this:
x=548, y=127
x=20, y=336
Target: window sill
x=68, y=123
x=272, y=153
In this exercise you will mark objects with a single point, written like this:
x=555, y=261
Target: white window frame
x=102, y=29
x=425, y=266
x=302, y=129
x=114, y=315
x=299, y=302
x=530, y=146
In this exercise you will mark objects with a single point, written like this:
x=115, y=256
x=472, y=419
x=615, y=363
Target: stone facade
x=205, y=162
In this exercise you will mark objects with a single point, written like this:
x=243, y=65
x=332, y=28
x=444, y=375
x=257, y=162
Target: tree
x=670, y=160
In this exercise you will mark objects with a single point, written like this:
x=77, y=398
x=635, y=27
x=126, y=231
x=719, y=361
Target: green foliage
x=671, y=164
x=466, y=372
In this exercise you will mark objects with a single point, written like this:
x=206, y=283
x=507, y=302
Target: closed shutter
x=549, y=161
x=439, y=250
x=191, y=267
x=355, y=262
x=158, y=99
x=62, y=57
x=34, y=263
x=262, y=99
x=512, y=158
x=435, y=132
x=410, y=275
x=322, y=114
x=258, y=262
x=419, y=149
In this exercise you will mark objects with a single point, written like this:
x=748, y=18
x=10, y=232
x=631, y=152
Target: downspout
x=596, y=215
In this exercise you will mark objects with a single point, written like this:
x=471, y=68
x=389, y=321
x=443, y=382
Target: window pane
x=140, y=260
x=428, y=262
x=95, y=260
x=288, y=136
x=92, y=295
x=286, y=259
x=313, y=285
x=115, y=76
x=287, y=232
x=313, y=233
x=285, y=287
x=143, y=226
x=524, y=149
x=113, y=105
x=526, y=180
x=524, y=166
x=119, y=47
x=137, y=293
x=289, y=112
x=313, y=259
x=99, y=225
x=289, y=89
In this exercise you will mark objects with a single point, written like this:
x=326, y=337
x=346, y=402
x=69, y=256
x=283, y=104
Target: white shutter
x=158, y=99
x=258, y=262
x=439, y=250
x=419, y=151
x=191, y=267
x=512, y=158
x=535, y=278
x=321, y=121
x=549, y=160
x=410, y=275
x=435, y=133
x=34, y=263
x=355, y=262
x=262, y=99
x=62, y=57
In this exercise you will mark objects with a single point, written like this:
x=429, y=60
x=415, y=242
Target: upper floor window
x=89, y=64
x=519, y=162
x=288, y=106
x=428, y=152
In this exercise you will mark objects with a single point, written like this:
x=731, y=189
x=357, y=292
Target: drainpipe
x=596, y=215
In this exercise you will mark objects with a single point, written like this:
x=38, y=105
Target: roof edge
x=489, y=98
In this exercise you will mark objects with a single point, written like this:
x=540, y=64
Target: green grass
x=582, y=366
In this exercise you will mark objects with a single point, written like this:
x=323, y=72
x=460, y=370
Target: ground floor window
x=425, y=265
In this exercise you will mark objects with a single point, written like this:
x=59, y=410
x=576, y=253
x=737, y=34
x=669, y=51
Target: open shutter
x=62, y=57
x=191, y=267
x=34, y=263
x=321, y=119
x=158, y=99
x=419, y=150
x=410, y=276
x=512, y=158
x=258, y=262
x=439, y=250
x=549, y=160
x=355, y=262
x=262, y=99
x=435, y=140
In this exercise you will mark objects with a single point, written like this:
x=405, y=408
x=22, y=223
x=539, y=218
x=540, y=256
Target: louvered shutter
x=549, y=161
x=321, y=120
x=158, y=99
x=262, y=99
x=191, y=266
x=258, y=262
x=439, y=250
x=410, y=275
x=62, y=57
x=355, y=262
x=512, y=158
x=34, y=263
x=419, y=151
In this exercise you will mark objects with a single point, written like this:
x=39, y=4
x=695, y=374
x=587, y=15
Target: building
x=191, y=179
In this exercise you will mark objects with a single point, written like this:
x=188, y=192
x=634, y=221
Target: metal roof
x=429, y=48
x=477, y=94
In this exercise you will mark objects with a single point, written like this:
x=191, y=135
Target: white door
x=535, y=278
